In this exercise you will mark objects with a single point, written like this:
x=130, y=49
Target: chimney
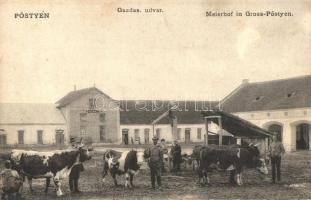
x=74, y=88
x=245, y=81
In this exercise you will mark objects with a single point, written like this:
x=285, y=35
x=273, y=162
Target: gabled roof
x=145, y=111
x=237, y=126
x=73, y=95
x=29, y=113
x=270, y=95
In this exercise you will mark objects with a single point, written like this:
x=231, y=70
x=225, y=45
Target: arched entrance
x=276, y=128
x=303, y=136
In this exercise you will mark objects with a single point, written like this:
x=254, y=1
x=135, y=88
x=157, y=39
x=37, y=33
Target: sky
x=179, y=54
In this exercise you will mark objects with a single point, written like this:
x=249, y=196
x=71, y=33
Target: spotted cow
x=54, y=164
x=119, y=163
x=232, y=158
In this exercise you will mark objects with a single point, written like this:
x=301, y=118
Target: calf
x=118, y=163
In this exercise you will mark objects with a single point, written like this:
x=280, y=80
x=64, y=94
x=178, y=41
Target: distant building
x=136, y=119
x=91, y=114
x=31, y=124
x=282, y=106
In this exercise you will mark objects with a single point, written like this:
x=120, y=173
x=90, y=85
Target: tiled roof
x=26, y=113
x=270, y=95
x=73, y=95
x=145, y=112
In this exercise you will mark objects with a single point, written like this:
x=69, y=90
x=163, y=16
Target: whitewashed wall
x=30, y=133
x=166, y=131
x=287, y=118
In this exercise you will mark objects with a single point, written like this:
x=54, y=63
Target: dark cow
x=54, y=164
x=118, y=163
x=233, y=159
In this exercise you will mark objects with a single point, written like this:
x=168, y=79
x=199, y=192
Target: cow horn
x=250, y=144
x=256, y=145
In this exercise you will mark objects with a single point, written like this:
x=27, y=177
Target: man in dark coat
x=75, y=171
x=176, y=155
x=155, y=156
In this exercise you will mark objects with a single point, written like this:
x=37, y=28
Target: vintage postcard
x=159, y=99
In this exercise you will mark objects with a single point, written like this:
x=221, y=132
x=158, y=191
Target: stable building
x=280, y=106
x=31, y=124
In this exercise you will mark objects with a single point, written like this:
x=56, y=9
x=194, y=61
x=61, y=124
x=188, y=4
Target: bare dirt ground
x=296, y=184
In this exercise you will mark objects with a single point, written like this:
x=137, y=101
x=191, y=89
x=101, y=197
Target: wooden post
x=206, y=134
x=220, y=132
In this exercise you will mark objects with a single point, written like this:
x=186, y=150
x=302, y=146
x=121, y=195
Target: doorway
x=302, y=137
x=102, y=134
x=59, y=137
x=187, y=135
x=125, y=136
x=278, y=129
x=146, y=135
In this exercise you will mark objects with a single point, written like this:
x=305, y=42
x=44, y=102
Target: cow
x=233, y=158
x=54, y=164
x=119, y=163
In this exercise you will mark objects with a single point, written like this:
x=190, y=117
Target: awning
x=237, y=126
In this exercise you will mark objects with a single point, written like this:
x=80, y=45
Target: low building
x=137, y=117
x=31, y=124
x=281, y=106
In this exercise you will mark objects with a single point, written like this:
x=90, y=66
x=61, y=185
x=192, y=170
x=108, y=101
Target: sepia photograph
x=158, y=99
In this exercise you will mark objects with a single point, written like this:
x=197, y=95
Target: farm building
x=31, y=124
x=90, y=114
x=137, y=122
x=281, y=106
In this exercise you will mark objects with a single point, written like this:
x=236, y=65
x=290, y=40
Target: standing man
x=155, y=156
x=276, y=151
x=176, y=155
x=75, y=171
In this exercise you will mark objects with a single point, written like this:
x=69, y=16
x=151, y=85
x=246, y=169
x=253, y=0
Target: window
x=136, y=134
x=40, y=137
x=83, y=117
x=258, y=98
x=102, y=117
x=91, y=103
x=179, y=134
x=158, y=133
x=20, y=136
x=83, y=131
x=2, y=138
x=199, y=133
x=291, y=94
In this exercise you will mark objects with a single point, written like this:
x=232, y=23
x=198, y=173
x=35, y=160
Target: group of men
x=155, y=156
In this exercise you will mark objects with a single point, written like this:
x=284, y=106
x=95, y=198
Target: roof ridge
x=281, y=79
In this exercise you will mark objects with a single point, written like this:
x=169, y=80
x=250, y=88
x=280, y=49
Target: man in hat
x=76, y=169
x=155, y=156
